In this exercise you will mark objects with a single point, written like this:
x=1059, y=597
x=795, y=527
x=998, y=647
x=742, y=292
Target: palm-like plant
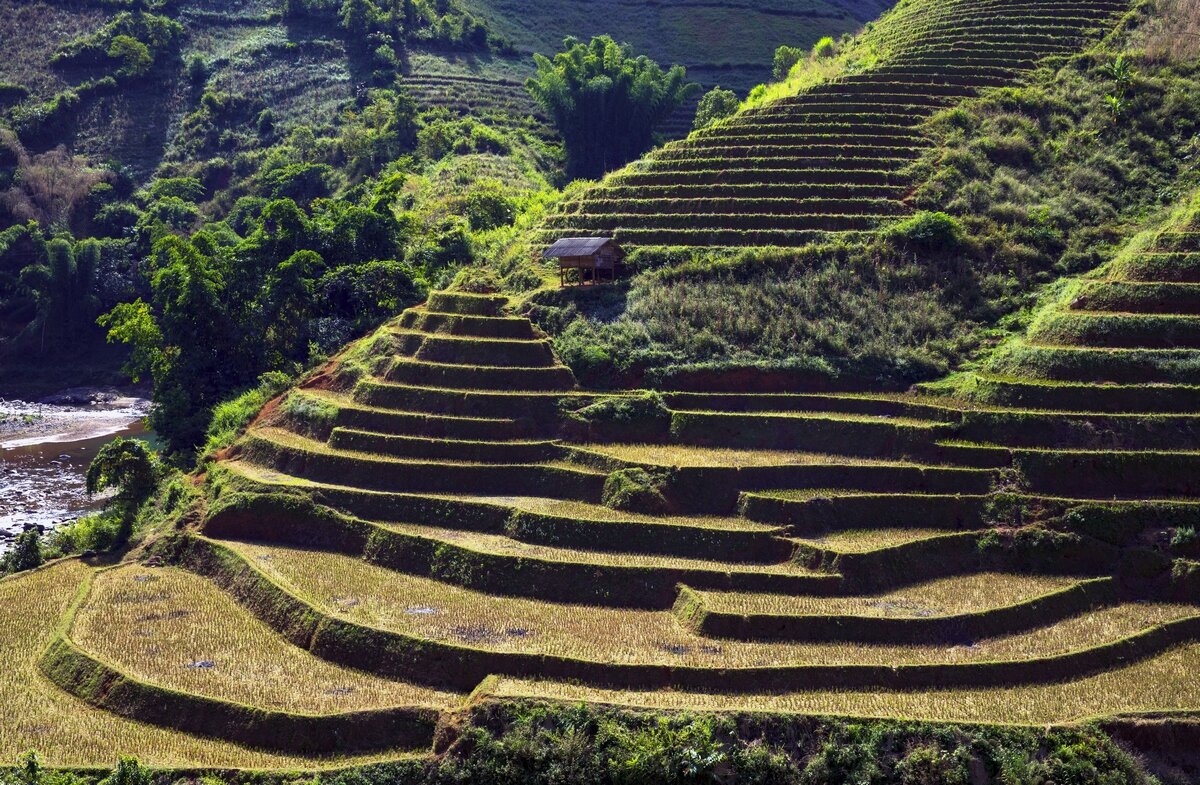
x=63, y=290
x=605, y=102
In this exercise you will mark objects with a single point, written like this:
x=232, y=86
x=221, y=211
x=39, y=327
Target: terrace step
x=846, y=403
x=1162, y=267
x=1082, y=397
x=177, y=652
x=1101, y=365
x=1119, y=330
x=510, y=452
x=860, y=130
x=752, y=191
x=724, y=205
x=741, y=175
x=961, y=609
x=308, y=459
x=538, y=405
x=546, y=521
x=638, y=649
x=712, y=159
x=507, y=567
x=703, y=480
x=842, y=434
x=470, y=350
x=474, y=377
x=467, y=304
x=712, y=222
x=876, y=85
x=1178, y=242
x=1139, y=297
x=1014, y=427
x=771, y=117
x=1110, y=474
x=510, y=327
x=813, y=513
x=793, y=148
x=718, y=237
x=349, y=414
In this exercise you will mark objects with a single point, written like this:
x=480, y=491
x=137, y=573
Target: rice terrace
x=767, y=391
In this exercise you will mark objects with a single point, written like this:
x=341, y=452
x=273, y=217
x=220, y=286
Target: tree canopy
x=605, y=102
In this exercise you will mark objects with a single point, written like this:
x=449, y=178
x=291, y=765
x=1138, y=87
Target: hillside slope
x=725, y=43
x=443, y=512
x=832, y=158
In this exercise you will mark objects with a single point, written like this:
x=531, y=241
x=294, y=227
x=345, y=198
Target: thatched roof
x=577, y=246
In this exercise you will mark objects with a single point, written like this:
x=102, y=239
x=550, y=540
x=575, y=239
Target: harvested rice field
x=500, y=545
x=176, y=630
x=682, y=455
x=867, y=540
x=576, y=510
x=942, y=597
x=1164, y=683
x=350, y=589
x=35, y=714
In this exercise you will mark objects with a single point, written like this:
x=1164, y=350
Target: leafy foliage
x=25, y=553
x=717, y=104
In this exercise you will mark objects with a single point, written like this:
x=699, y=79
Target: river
x=45, y=449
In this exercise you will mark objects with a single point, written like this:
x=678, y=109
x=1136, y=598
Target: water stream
x=45, y=450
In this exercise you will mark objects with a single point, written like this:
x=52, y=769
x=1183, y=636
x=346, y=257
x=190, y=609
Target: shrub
x=717, y=104
x=932, y=231
x=785, y=59
x=126, y=465
x=825, y=48
x=626, y=418
x=634, y=490
x=189, y=189
x=476, y=280
x=1186, y=541
x=135, y=56
x=26, y=553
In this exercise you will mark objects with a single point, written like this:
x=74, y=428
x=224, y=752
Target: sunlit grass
x=174, y=629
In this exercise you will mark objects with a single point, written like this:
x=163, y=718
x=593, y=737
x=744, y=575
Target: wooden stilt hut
x=595, y=258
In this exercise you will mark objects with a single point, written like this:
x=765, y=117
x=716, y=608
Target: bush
x=717, y=104
x=932, y=231
x=26, y=553
x=133, y=470
x=476, y=280
x=825, y=48
x=634, y=490
x=785, y=59
x=189, y=189
x=625, y=418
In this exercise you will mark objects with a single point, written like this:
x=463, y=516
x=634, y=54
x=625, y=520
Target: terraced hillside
x=831, y=160
x=444, y=512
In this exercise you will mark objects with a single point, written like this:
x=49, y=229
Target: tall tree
x=605, y=102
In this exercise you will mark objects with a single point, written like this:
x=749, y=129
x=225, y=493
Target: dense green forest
x=260, y=242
